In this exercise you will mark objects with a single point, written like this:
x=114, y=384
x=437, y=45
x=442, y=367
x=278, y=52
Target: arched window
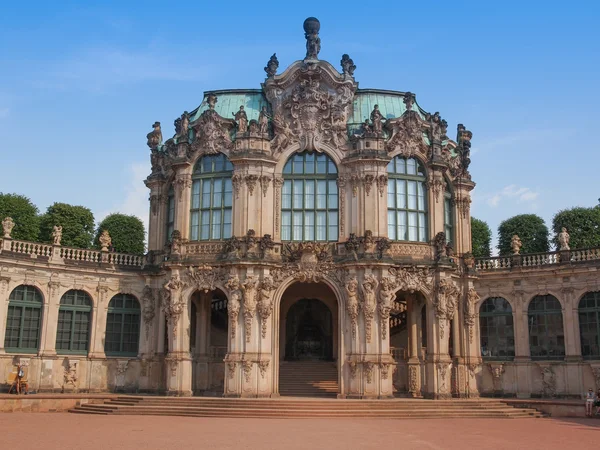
x=309, y=199
x=496, y=330
x=589, y=325
x=170, y=213
x=546, y=336
x=24, y=320
x=407, y=203
x=210, y=214
x=448, y=215
x=122, y=326
x=74, y=314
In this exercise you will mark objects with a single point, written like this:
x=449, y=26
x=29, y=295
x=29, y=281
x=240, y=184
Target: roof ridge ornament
x=313, y=41
x=272, y=66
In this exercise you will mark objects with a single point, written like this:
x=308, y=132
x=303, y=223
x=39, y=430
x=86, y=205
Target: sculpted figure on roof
x=241, y=120
x=155, y=136
x=348, y=66
x=263, y=121
x=313, y=41
x=377, y=120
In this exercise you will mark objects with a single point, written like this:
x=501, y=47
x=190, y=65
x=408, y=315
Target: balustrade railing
x=80, y=254
x=33, y=249
x=531, y=260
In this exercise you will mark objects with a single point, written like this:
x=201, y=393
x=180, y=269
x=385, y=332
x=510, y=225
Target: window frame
x=545, y=314
x=510, y=356
x=309, y=175
x=422, y=215
x=449, y=219
x=199, y=176
x=83, y=310
x=170, y=216
x=23, y=306
x=123, y=312
x=595, y=310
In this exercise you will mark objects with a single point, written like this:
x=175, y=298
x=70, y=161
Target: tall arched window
x=448, y=214
x=170, y=213
x=407, y=203
x=24, y=320
x=309, y=199
x=546, y=335
x=496, y=330
x=589, y=325
x=122, y=326
x=74, y=314
x=210, y=214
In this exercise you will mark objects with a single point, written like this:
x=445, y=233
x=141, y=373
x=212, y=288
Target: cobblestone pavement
x=26, y=431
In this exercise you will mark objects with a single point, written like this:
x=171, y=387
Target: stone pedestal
x=178, y=375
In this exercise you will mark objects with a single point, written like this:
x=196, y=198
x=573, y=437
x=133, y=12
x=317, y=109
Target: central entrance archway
x=308, y=341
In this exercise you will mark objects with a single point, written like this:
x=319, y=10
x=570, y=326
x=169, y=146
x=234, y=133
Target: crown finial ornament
x=313, y=41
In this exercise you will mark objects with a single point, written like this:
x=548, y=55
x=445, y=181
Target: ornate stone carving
x=436, y=186
x=212, y=131
x=443, y=387
x=155, y=136
x=233, y=303
x=439, y=242
x=382, y=181
x=231, y=365
x=277, y=183
x=241, y=120
x=368, y=368
x=175, y=243
x=204, y=277
x=497, y=370
x=56, y=234
x=352, y=303
x=377, y=120
x=596, y=373
x=313, y=41
x=341, y=183
x=171, y=301
x=516, y=244
x=383, y=245
x=263, y=121
x=406, y=132
x=70, y=375
x=251, y=180
x=548, y=380
x=262, y=367
x=265, y=303
x=413, y=381
x=463, y=203
x=264, y=181
x=354, y=180
x=352, y=245
x=368, y=242
x=249, y=290
x=266, y=246
x=470, y=315
x=437, y=127
x=386, y=299
x=369, y=302
x=105, y=241
x=384, y=368
x=184, y=126
x=368, y=183
x=309, y=262
x=272, y=66
x=445, y=302
x=236, y=183
x=353, y=366
x=412, y=279
x=563, y=240
x=181, y=183
x=7, y=226
x=247, y=369
x=148, y=307
x=347, y=64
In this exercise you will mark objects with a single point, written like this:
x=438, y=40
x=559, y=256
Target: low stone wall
x=554, y=408
x=47, y=403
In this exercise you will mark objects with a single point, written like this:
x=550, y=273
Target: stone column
x=183, y=194
x=414, y=346
x=98, y=330
x=156, y=233
x=522, y=349
x=50, y=321
x=4, y=294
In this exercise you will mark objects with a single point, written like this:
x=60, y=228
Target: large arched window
x=589, y=325
x=496, y=330
x=74, y=314
x=448, y=214
x=407, y=203
x=122, y=326
x=210, y=214
x=170, y=213
x=309, y=199
x=546, y=335
x=24, y=320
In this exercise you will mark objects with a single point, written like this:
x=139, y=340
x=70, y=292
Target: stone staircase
x=305, y=408
x=308, y=379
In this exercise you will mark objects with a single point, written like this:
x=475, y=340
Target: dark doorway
x=309, y=331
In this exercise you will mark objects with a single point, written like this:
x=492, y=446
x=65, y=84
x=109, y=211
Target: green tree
x=126, y=232
x=481, y=238
x=77, y=223
x=582, y=224
x=530, y=228
x=24, y=213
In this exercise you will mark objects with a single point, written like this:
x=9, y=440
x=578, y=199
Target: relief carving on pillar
x=470, y=315
x=596, y=373
x=352, y=303
x=354, y=181
x=341, y=183
x=249, y=290
x=204, y=277
x=368, y=368
x=70, y=375
x=384, y=367
x=277, y=184
x=231, y=365
x=548, y=380
x=353, y=366
x=412, y=278
x=445, y=302
x=171, y=301
x=265, y=302
x=148, y=307
x=233, y=304
x=413, y=381
x=382, y=181
x=463, y=203
x=182, y=182
x=497, y=370
x=236, y=183
x=251, y=180
x=368, y=289
x=436, y=185
x=264, y=181
x=263, y=366
x=247, y=368
x=367, y=181
x=443, y=374
x=387, y=293
x=307, y=262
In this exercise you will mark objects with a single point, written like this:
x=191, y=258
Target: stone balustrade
x=80, y=254
x=537, y=260
x=33, y=249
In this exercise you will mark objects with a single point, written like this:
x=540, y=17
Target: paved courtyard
x=69, y=431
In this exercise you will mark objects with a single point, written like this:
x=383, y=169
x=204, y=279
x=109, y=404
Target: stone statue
x=313, y=41
x=241, y=119
x=437, y=126
x=56, y=234
x=263, y=121
x=7, y=227
x=563, y=239
x=105, y=241
x=175, y=242
x=253, y=127
x=366, y=129
x=516, y=244
x=155, y=136
x=348, y=66
x=439, y=241
x=352, y=305
x=377, y=120
x=369, y=287
x=272, y=66
x=368, y=242
x=185, y=124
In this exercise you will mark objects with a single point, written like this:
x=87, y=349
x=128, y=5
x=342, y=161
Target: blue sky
x=82, y=82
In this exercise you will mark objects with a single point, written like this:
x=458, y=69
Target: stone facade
x=368, y=281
